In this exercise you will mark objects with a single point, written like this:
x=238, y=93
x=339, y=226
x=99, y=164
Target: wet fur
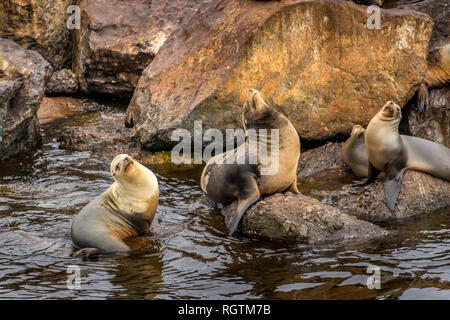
x=226, y=183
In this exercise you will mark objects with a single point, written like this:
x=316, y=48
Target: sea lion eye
x=117, y=167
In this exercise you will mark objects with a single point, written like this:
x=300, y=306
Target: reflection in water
x=187, y=253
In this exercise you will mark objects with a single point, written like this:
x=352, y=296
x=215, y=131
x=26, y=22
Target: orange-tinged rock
x=316, y=61
x=39, y=25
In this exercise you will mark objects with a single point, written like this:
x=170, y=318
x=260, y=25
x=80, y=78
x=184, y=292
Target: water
x=187, y=253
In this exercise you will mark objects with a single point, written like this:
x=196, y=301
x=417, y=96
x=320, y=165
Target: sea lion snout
x=357, y=129
x=392, y=110
x=121, y=163
x=254, y=106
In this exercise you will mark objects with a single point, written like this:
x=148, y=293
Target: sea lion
x=247, y=182
x=126, y=209
x=354, y=152
x=438, y=74
x=392, y=153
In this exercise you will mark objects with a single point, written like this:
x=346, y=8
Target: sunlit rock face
x=39, y=25
x=439, y=11
x=118, y=38
x=316, y=61
x=22, y=83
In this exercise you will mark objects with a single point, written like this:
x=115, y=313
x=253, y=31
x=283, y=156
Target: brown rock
x=118, y=38
x=316, y=60
x=22, y=80
x=439, y=11
x=420, y=193
x=62, y=82
x=38, y=25
x=100, y=132
x=433, y=124
x=302, y=219
x=52, y=109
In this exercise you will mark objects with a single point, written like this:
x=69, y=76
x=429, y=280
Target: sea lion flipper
x=392, y=186
x=86, y=252
x=248, y=195
x=373, y=173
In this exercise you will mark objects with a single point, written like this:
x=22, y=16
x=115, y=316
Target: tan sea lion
x=126, y=209
x=392, y=153
x=354, y=152
x=246, y=182
x=438, y=73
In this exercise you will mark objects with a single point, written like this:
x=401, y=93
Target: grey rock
x=420, y=193
x=316, y=160
x=290, y=217
x=62, y=82
x=23, y=74
x=433, y=124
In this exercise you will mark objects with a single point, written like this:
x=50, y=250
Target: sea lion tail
x=392, y=186
x=241, y=209
x=247, y=196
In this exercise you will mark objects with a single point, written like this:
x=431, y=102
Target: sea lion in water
x=241, y=180
x=438, y=73
x=126, y=209
x=392, y=153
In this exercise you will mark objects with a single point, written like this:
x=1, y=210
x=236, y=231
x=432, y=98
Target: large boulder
x=299, y=218
x=439, y=11
x=22, y=81
x=420, y=193
x=316, y=61
x=118, y=38
x=38, y=25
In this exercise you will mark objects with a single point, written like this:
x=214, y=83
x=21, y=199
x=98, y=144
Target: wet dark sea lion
x=246, y=182
x=126, y=209
x=392, y=153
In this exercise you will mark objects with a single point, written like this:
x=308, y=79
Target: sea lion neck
x=388, y=121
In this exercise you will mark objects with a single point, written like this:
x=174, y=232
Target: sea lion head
x=135, y=190
x=357, y=130
x=255, y=108
x=390, y=111
x=124, y=168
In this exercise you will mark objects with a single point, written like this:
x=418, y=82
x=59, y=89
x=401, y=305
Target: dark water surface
x=187, y=253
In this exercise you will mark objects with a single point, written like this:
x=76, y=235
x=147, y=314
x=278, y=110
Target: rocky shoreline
x=180, y=61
